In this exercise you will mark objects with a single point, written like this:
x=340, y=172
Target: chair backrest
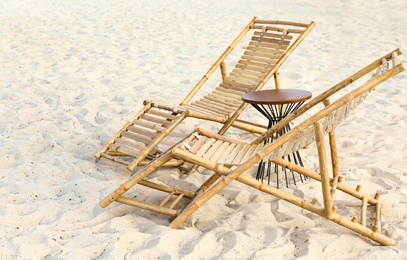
x=261, y=54
x=271, y=44
x=332, y=115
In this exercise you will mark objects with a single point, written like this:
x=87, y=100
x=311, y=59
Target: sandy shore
x=73, y=72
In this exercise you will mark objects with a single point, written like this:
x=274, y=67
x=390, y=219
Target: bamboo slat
x=205, y=147
x=176, y=201
x=250, y=74
x=233, y=154
x=202, y=111
x=242, y=80
x=221, y=151
x=148, y=125
x=229, y=92
x=137, y=137
x=240, y=155
x=198, y=144
x=219, y=107
x=265, y=51
x=226, y=154
x=168, y=116
x=196, y=113
x=243, y=76
x=264, y=55
x=157, y=120
x=213, y=149
x=256, y=65
x=267, y=46
x=114, y=159
x=169, y=196
x=224, y=102
x=142, y=131
x=126, y=151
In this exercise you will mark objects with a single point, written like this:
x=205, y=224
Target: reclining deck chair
x=271, y=44
x=229, y=159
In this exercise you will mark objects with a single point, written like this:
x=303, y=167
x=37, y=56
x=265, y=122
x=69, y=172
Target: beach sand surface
x=72, y=73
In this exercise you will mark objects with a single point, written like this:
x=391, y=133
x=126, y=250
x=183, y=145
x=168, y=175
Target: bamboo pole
x=323, y=165
x=277, y=80
x=169, y=196
x=223, y=70
x=147, y=206
x=282, y=22
x=156, y=186
x=218, y=62
x=378, y=221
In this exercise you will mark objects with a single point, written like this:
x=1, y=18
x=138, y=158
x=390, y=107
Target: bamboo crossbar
x=156, y=186
x=278, y=29
x=147, y=206
x=281, y=22
x=378, y=218
x=363, y=211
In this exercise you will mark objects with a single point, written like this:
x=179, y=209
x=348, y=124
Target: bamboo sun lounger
x=228, y=159
x=271, y=44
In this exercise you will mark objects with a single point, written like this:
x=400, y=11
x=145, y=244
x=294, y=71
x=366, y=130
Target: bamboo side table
x=276, y=104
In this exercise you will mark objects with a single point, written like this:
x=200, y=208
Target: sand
x=73, y=72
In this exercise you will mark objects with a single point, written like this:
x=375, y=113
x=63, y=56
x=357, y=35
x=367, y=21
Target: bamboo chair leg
x=334, y=157
x=144, y=172
x=323, y=164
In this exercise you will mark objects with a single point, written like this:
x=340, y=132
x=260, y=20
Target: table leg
x=274, y=113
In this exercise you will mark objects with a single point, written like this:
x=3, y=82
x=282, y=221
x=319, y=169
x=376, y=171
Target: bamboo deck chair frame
x=272, y=43
x=207, y=149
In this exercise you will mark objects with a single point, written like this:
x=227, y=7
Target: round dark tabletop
x=276, y=96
